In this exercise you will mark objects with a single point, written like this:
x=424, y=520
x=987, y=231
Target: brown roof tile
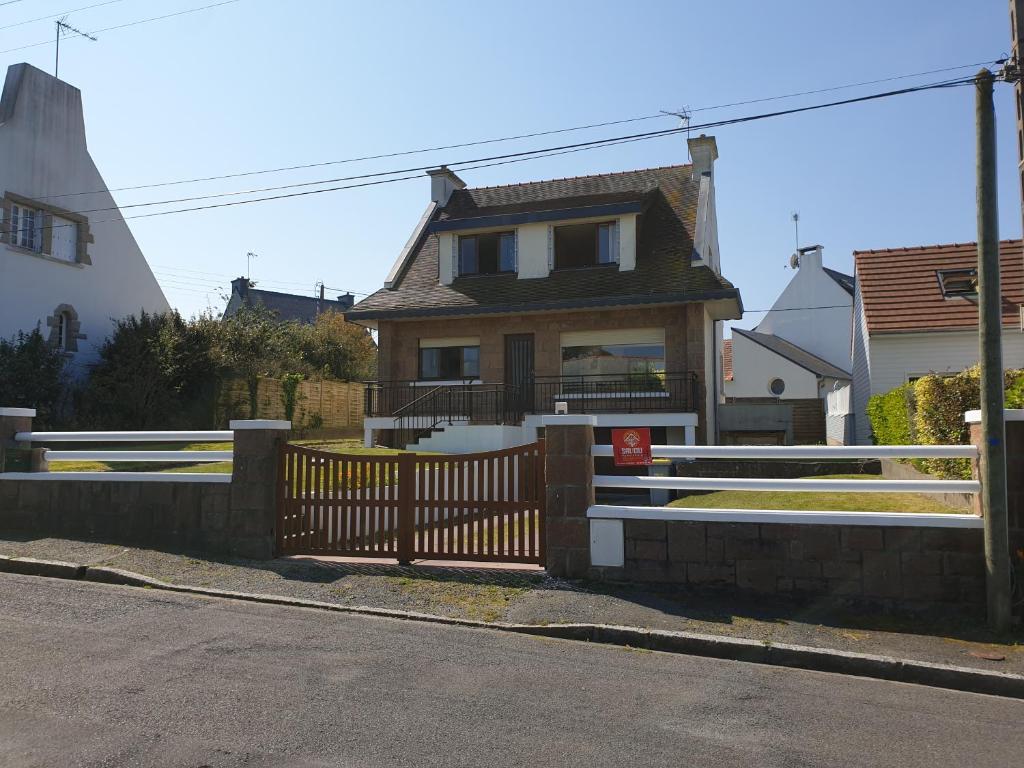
x=901, y=294
x=663, y=273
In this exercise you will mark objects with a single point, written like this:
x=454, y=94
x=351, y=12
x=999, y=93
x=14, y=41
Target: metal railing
x=448, y=404
x=798, y=485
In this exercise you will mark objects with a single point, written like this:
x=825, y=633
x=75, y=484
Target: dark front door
x=519, y=371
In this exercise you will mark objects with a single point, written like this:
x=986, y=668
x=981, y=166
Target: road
x=97, y=675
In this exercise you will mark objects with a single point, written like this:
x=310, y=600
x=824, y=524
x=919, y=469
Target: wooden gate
x=479, y=506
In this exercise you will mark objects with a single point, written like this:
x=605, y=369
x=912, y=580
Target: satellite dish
x=794, y=261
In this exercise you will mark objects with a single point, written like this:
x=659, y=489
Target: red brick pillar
x=569, y=471
x=12, y=421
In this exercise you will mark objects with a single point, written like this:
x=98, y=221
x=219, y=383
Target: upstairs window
x=491, y=253
x=449, y=363
x=586, y=245
x=26, y=228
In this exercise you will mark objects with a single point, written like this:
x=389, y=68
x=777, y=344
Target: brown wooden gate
x=478, y=506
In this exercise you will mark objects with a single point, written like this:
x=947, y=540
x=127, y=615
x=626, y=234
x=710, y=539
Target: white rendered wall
x=43, y=153
x=754, y=366
x=473, y=438
x=822, y=332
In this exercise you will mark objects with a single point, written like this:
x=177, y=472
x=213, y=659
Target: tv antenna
x=63, y=28
x=248, y=263
x=794, y=260
x=684, y=114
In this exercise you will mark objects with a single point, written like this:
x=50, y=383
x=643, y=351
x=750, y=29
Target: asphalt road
x=116, y=676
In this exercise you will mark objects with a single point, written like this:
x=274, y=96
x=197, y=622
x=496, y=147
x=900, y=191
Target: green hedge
x=930, y=411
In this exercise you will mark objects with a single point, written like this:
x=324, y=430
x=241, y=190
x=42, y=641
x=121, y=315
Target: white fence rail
x=184, y=457
x=799, y=484
x=216, y=436
x=805, y=451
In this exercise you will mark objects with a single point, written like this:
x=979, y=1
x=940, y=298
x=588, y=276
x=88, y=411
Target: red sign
x=632, y=447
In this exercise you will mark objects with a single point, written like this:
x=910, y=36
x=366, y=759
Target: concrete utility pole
x=1012, y=71
x=993, y=449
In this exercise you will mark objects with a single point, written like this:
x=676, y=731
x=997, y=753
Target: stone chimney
x=346, y=300
x=703, y=153
x=810, y=257
x=241, y=286
x=443, y=182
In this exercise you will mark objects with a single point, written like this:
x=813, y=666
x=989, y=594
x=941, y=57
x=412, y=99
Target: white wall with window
x=759, y=372
x=43, y=154
x=449, y=359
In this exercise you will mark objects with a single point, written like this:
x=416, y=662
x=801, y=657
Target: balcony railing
x=504, y=404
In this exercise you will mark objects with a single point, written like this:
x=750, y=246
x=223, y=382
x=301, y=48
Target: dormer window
x=490, y=253
x=586, y=245
x=958, y=283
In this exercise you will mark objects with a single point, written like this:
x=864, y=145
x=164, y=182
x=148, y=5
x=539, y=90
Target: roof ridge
x=908, y=248
x=574, y=178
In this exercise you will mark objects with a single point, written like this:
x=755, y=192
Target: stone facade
x=398, y=340
x=886, y=565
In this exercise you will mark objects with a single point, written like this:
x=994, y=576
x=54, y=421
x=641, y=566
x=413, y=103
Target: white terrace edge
x=1010, y=414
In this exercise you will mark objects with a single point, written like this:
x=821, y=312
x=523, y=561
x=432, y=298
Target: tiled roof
x=900, y=287
x=845, y=281
x=727, y=359
x=287, y=306
x=795, y=354
x=663, y=273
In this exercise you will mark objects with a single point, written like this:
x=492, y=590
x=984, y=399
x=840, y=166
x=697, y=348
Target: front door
x=519, y=372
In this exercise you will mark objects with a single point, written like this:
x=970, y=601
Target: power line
x=58, y=15
x=516, y=137
x=219, y=279
x=131, y=23
x=484, y=162
x=535, y=154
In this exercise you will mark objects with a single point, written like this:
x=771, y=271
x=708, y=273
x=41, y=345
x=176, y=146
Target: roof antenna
x=63, y=28
x=684, y=114
x=248, y=263
x=794, y=260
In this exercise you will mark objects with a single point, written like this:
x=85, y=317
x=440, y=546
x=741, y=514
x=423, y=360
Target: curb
x=872, y=666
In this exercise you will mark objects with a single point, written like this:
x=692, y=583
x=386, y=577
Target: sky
x=255, y=84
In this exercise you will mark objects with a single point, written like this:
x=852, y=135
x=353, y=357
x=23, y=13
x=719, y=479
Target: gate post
x=252, y=509
x=406, y=506
x=569, y=472
x=12, y=421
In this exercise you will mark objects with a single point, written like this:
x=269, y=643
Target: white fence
x=111, y=456
x=824, y=517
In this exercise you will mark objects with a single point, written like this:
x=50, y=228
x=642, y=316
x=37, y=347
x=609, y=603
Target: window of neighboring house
x=490, y=253
x=26, y=228
x=777, y=387
x=63, y=330
x=64, y=239
x=447, y=363
x=958, y=283
x=585, y=245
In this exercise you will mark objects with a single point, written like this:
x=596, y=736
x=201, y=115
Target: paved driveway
x=97, y=675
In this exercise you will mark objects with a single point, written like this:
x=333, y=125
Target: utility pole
x=993, y=429
x=1012, y=71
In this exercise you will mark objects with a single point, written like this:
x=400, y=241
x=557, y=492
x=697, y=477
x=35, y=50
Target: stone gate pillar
x=12, y=421
x=569, y=473
x=252, y=509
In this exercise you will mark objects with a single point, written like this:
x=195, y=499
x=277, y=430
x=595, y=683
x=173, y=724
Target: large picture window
x=636, y=357
x=491, y=253
x=586, y=245
x=439, y=363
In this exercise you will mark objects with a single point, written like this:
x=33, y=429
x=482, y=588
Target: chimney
x=810, y=256
x=241, y=286
x=346, y=300
x=703, y=153
x=442, y=183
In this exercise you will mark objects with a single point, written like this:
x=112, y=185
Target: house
x=285, y=306
x=916, y=312
x=603, y=292
x=796, y=356
x=69, y=264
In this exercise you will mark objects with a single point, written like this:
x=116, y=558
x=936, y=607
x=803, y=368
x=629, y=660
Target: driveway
x=100, y=675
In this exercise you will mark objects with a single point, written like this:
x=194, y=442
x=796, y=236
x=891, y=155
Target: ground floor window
x=442, y=359
x=637, y=356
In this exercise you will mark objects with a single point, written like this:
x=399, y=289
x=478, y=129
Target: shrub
x=31, y=375
x=290, y=393
x=890, y=415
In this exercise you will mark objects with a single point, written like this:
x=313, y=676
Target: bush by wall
x=31, y=375
x=930, y=411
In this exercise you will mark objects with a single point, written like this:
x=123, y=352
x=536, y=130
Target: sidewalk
x=531, y=597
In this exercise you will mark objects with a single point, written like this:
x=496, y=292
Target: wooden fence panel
x=336, y=404
x=482, y=506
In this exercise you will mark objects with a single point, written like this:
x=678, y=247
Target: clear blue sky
x=258, y=84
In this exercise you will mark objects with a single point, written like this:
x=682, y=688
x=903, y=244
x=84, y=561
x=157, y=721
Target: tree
x=338, y=349
x=31, y=375
x=252, y=344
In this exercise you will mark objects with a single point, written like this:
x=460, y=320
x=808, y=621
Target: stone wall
x=887, y=565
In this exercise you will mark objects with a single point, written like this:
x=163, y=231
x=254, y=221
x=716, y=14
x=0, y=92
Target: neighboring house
x=603, y=292
x=285, y=306
x=69, y=265
x=916, y=312
x=796, y=355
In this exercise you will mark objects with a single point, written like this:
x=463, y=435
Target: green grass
x=813, y=500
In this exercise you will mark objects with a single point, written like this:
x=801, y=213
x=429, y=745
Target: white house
x=916, y=312
x=69, y=265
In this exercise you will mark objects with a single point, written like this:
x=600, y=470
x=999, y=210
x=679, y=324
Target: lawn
x=811, y=500
x=344, y=445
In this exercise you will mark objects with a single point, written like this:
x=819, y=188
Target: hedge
x=930, y=411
